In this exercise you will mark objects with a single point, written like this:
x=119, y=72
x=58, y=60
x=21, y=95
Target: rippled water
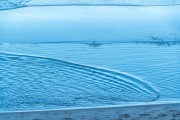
x=75, y=53
x=150, y=73
x=27, y=80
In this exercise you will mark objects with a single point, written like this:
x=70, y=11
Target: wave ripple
x=27, y=81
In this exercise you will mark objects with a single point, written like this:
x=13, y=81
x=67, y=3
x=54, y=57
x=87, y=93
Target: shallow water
x=27, y=80
x=77, y=75
x=88, y=53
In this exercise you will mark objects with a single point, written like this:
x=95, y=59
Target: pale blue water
x=33, y=81
x=111, y=74
x=66, y=54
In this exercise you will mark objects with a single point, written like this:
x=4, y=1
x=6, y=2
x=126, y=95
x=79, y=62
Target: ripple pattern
x=28, y=81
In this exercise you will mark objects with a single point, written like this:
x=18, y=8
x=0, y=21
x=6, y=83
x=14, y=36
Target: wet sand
x=148, y=111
